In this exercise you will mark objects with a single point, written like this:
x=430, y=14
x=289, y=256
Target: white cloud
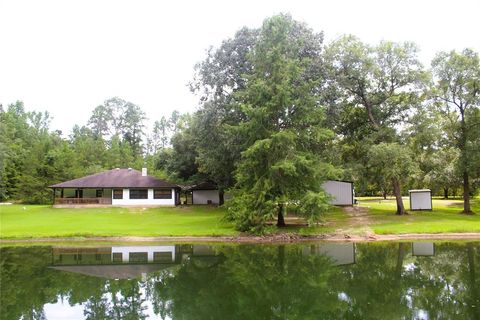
x=68, y=56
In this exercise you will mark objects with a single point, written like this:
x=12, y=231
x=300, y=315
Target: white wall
x=420, y=200
x=126, y=201
x=125, y=251
x=201, y=196
x=341, y=192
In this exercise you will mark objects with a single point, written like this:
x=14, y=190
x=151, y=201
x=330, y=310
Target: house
x=117, y=187
x=340, y=191
x=205, y=193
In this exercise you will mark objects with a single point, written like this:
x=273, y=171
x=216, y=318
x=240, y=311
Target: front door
x=78, y=193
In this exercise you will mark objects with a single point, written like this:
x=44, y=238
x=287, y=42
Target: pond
x=421, y=280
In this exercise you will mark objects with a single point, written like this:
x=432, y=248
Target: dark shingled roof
x=116, y=178
x=206, y=185
x=115, y=271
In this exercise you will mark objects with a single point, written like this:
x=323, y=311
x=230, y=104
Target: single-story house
x=205, y=193
x=341, y=192
x=117, y=187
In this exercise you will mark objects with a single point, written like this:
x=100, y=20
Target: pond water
x=303, y=281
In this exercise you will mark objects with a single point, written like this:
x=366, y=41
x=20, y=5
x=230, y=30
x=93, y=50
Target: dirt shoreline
x=281, y=238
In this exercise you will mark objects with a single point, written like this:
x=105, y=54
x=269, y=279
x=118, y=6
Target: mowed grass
x=378, y=216
x=445, y=217
x=336, y=218
x=32, y=221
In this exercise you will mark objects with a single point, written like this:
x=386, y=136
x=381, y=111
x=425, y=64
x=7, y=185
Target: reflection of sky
x=62, y=310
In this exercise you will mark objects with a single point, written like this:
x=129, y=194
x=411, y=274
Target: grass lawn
x=29, y=221
x=445, y=217
x=372, y=215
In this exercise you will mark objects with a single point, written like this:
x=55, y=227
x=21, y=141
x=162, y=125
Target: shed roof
x=116, y=178
x=206, y=185
x=419, y=190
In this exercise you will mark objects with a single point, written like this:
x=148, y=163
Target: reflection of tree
x=258, y=282
x=157, y=293
x=253, y=282
x=374, y=286
x=97, y=308
x=130, y=303
x=472, y=284
x=24, y=282
x=442, y=285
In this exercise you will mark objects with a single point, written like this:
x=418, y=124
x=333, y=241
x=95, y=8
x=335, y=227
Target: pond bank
x=280, y=238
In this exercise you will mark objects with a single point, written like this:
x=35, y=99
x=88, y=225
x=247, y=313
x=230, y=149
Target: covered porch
x=82, y=196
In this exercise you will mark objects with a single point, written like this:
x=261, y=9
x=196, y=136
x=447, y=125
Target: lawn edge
x=280, y=238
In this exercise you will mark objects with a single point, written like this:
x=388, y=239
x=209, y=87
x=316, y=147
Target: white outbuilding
x=420, y=199
x=340, y=191
x=205, y=193
x=423, y=249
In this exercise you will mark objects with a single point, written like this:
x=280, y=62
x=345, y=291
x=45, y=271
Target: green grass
x=18, y=221
x=333, y=220
x=444, y=218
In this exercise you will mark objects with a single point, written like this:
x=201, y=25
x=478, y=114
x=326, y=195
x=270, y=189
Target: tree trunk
x=280, y=219
x=398, y=196
x=463, y=153
x=445, y=193
x=400, y=257
x=466, y=194
x=221, y=197
x=384, y=193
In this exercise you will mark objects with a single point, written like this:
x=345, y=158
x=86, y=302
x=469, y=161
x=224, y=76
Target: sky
x=68, y=56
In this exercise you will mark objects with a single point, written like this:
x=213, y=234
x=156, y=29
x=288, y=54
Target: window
x=117, y=257
x=162, y=194
x=99, y=193
x=138, y=194
x=162, y=256
x=117, y=194
x=138, y=257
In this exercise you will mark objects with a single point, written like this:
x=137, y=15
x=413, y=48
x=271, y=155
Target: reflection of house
x=339, y=253
x=140, y=254
x=423, y=249
x=121, y=187
x=202, y=250
x=114, y=255
x=124, y=262
x=114, y=271
x=340, y=191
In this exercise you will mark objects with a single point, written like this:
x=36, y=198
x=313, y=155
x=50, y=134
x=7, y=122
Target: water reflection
x=423, y=249
x=323, y=280
x=339, y=253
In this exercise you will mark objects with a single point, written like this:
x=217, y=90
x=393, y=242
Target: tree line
x=280, y=111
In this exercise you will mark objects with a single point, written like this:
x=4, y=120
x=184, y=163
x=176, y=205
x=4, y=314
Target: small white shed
x=420, y=199
x=340, y=191
x=205, y=193
x=423, y=249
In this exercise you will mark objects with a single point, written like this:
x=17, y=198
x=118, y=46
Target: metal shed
x=420, y=199
x=341, y=192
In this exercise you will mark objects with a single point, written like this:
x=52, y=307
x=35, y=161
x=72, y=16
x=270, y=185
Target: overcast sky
x=68, y=56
